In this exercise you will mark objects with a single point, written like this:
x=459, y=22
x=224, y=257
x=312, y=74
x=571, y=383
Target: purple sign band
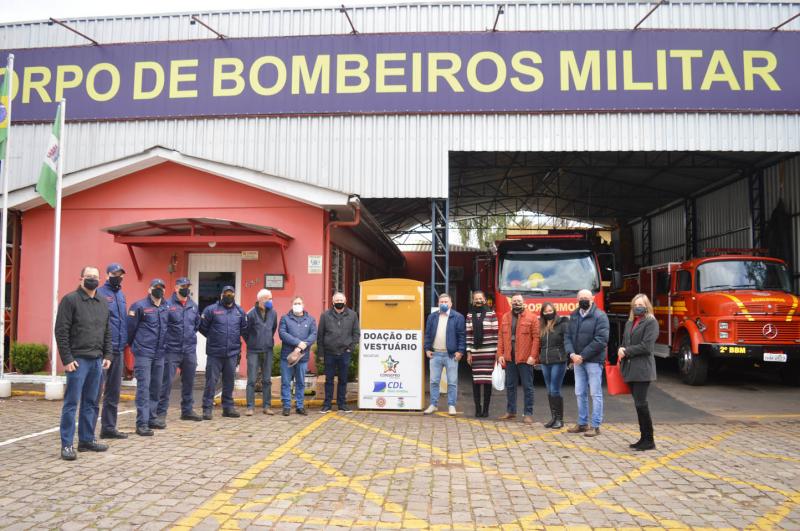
x=586, y=71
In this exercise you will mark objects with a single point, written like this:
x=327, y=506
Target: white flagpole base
x=54, y=391
x=5, y=388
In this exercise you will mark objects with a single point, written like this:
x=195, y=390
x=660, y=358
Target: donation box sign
x=390, y=354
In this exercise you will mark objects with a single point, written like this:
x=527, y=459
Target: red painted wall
x=164, y=191
x=418, y=267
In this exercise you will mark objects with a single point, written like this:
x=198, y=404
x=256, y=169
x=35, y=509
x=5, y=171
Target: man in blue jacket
x=298, y=331
x=585, y=342
x=445, y=344
x=183, y=319
x=111, y=292
x=147, y=334
x=223, y=324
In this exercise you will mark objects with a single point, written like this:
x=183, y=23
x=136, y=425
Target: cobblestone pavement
x=369, y=470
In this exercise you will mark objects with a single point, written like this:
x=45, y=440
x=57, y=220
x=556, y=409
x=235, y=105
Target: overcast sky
x=28, y=10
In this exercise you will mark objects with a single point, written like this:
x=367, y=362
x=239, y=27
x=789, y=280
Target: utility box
x=390, y=354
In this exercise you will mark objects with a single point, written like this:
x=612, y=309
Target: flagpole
x=4, y=238
x=57, y=235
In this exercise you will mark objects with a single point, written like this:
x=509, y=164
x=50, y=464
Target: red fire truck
x=731, y=307
x=549, y=267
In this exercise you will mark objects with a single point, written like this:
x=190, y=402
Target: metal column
x=647, y=242
x=440, y=251
x=690, y=214
x=756, y=196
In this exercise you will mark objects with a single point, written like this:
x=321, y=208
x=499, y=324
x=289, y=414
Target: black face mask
x=548, y=316
x=518, y=309
x=584, y=304
x=157, y=293
x=115, y=283
x=183, y=292
x=91, y=283
x=227, y=300
x=338, y=305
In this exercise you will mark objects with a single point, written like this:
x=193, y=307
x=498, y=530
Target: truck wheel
x=790, y=375
x=693, y=367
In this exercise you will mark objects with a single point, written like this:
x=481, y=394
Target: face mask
x=227, y=300
x=297, y=308
x=518, y=307
x=115, y=282
x=548, y=316
x=639, y=310
x=183, y=292
x=443, y=308
x=268, y=305
x=584, y=304
x=91, y=283
x=157, y=293
x=479, y=305
x=338, y=305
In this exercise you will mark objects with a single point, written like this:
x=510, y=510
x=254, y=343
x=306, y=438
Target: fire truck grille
x=780, y=309
x=759, y=332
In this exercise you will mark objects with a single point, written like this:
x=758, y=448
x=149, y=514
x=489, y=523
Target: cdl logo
x=394, y=385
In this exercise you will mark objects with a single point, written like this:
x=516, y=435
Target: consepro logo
x=390, y=365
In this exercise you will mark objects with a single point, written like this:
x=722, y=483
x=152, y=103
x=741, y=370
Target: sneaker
x=593, y=432
x=144, y=431
x=578, y=428
x=231, y=413
x=507, y=416
x=325, y=409
x=113, y=434
x=345, y=409
x=301, y=411
x=431, y=409
x=91, y=446
x=158, y=424
x=451, y=410
x=527, y=419
x=249, y=412
x=68, y=453
x=191, y=415
x=286, y=411
x=268, y=411
x=208, y=414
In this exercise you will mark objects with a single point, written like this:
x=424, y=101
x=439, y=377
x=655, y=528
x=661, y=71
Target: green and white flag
x=48, y=177
x=5, y=114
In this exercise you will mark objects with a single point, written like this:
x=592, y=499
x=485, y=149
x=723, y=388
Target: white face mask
x=297, y=308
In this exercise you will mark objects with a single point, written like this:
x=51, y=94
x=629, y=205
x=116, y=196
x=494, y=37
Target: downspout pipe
x=356, y=206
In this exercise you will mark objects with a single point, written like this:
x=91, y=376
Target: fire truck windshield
x=548, y=272
x=742, y=274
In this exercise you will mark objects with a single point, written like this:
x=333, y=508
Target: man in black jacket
x=83, y=338
x=262, y=322
x=337, y=336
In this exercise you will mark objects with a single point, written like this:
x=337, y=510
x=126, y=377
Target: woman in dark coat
x=638, y=364
x=553, y=357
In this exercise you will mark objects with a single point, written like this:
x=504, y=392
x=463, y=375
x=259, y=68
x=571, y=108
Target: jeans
x=149, y=373
x=214, y=367
x=639, y=392
x=589, y=375
x=437, y=362
x=83, y=385
x=187, y=363
x=264, y=360
x=336, y=366
x=514, y=373
x=554, y=377
x=298, y=374
x=110, y=389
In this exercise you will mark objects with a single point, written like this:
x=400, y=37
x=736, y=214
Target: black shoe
x=207, y=414
x=232, y=413
x=286, y=412
x=301, y=411
x=646, y=445
x=91, y=446
x=345, y=409
x=551, y=402
x=68, y=453
x=158, y=424
x=113, y=434
x=325, y=409
x=558, y=404
x=144, y=431
x=191, y=416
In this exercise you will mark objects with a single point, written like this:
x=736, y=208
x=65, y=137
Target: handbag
x=498, y=377
x=294, y=357
x=616, y=384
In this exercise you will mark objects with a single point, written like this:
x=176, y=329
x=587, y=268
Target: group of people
x=94, y=325
x=520, y=341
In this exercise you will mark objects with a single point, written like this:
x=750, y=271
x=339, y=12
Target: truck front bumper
x=772, y=354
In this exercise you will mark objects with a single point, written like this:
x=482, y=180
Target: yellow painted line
x=126, y=398
x=218, y=507
x=761, y=455
x=338, y=522
x=773, y=519
x=433, y=449
x=742, y=308
x=635, y=433
x=790, y=315
x=733, y=481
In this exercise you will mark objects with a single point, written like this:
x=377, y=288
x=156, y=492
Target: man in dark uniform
x=147, y=334
x=112, y=293
x=223, y=324
x=183, y=318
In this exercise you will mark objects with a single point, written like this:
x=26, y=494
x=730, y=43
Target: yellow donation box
x=390, y=355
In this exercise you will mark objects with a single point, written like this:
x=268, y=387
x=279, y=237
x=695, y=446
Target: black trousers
x=639, y=392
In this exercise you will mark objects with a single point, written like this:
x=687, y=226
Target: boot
x=647, y=443
x=638, y=443
x=476, y=395
x=552, y=402
x=558, y=409
x=487, y=397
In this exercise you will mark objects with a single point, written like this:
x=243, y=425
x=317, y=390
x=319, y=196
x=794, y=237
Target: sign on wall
x=670, y=70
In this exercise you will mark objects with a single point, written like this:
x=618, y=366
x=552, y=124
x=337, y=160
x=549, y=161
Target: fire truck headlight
x=723, y=325
x=723, y=335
